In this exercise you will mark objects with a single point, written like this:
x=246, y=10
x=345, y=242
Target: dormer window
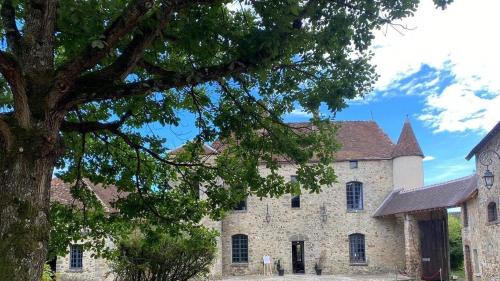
x=353, y=164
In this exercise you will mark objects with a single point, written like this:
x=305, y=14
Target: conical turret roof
x=407, y=143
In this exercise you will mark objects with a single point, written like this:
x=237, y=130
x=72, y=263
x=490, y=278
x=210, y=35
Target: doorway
x=298, y=256
x=434, y=249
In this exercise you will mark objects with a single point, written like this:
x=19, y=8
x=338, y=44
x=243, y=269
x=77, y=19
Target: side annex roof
x=443, y=195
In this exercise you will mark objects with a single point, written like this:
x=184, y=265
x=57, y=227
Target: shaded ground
x=306, y=277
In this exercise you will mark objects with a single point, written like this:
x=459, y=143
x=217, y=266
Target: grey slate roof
x=443, y=195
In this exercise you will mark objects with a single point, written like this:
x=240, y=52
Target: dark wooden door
x=468, y=263
x=298, y=256
x=434, y=249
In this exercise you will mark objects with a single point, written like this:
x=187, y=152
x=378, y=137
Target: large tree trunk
x=26, y=172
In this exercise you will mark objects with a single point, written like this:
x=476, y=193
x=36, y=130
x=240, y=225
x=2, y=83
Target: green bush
x=455, y=238
x=47, y=275
x=160, y=257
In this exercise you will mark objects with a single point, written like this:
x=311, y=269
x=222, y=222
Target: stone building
x=338, y=224
x=481, y=223
x=377, y=218
x=79, y=264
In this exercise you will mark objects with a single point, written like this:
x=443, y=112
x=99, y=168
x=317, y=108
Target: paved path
x=306, y=277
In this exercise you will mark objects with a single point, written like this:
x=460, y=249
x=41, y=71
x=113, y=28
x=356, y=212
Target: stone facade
x=383, y=237
x=481, y=238
x=323, y=222
x=93, y=269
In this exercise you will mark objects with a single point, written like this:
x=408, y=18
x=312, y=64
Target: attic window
x=353, y=164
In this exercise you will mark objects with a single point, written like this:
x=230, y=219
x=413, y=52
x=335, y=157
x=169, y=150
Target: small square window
x=241, y=206
x=293, y=178
x=353, y=164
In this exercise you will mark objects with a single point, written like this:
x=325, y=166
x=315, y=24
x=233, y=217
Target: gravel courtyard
x=306, y=277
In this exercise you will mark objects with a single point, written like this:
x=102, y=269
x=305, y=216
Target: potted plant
x=318, y=267
x=281, y=270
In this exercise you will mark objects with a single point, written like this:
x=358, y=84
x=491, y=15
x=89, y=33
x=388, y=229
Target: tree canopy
x=82, y=81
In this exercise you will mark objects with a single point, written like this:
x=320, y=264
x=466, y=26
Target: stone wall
x=413, y=255
x=481, y=235
x=384, y=239
x=94, y=269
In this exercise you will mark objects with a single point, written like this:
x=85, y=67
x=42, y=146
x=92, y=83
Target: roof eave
x=483, y=141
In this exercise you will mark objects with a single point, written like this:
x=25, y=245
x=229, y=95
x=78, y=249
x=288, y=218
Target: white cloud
x=462, y=40
x=463, y=34
x=459, y=108
x=428, y=158
x=300, y=112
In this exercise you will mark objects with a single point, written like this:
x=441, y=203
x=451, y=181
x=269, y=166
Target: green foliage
x=47, y=274
x=455, y=238
x=235, y=72
x=157, y=256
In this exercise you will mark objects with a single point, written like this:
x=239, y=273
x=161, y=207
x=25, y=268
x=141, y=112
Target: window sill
x=493, y=222
x=239, y=211
x=239, y=264
x=358, y=264
x=295, y=208
x=356, y=211
x=76, y=270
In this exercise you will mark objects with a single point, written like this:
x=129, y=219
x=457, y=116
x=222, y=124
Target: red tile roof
x=60, y=191
x=407, y=143
x=360, y=140
x=438, y=196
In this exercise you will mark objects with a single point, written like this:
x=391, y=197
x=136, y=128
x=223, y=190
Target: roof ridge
x=425, y=187
x=450, y=181
x=91, y=186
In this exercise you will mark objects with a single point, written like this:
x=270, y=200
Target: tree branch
x=92, y=89
x=91, y=55
x=8, y=13
x=135, y=49
x=114, y=128
x=7, y=136
x=12, y=72
x=84, y=127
